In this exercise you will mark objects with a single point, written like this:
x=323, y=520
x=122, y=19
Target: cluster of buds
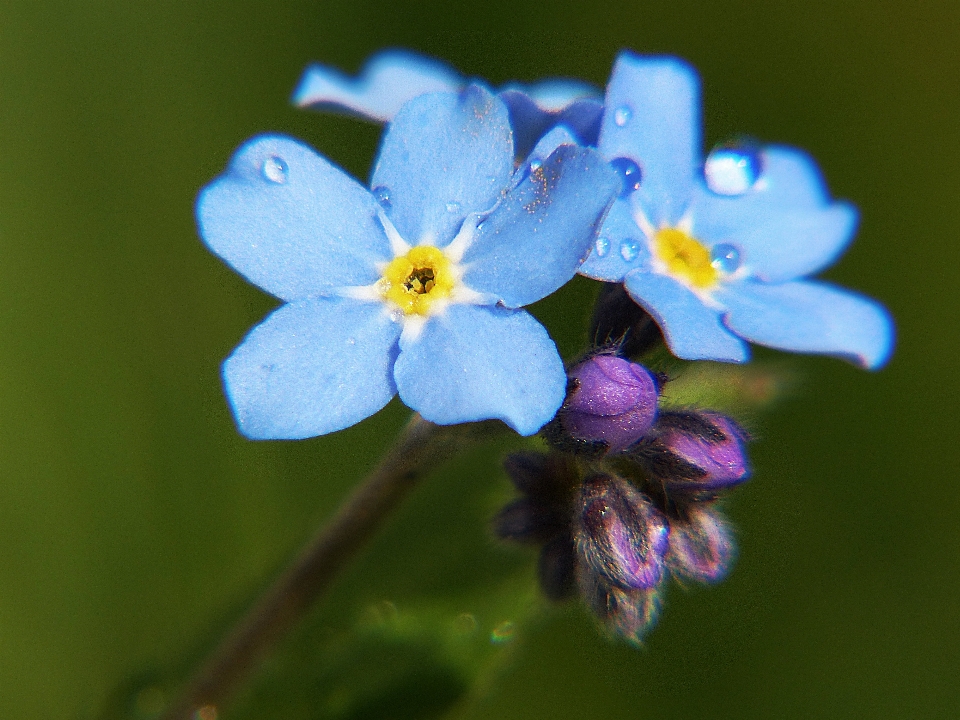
x=628, y=496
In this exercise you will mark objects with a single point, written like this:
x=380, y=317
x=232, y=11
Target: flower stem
x=418, y=449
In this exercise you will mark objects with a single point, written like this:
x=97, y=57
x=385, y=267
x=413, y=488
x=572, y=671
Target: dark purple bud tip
x=620, y=535
x=619, y=323
x=557, y=568
x=627, y=614
x=614, y=401
x=539, y=475
x=701, y=451
x=528, y=521
x=701, y=546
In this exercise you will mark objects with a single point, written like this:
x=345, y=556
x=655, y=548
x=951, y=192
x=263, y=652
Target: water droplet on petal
x=453, y=207
x=382, y=195
x=351, y=341
x=725, y=257
x=602, y=246
x=396, y=315
x=621, y=116
x=535, y=165
x=629, y=173
x=732, y=170
x=629, y=249
x=275, y=169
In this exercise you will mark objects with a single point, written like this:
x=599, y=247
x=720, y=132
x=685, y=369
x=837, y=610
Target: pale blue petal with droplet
x=732, y=170
x=692, y=330
x=291, y=222
x=630, y=175
x=444, y=150
x=543, y=229
x=789, y=176
x=789, y=180
x=777, y=244
x=312, y=367
x=386, y=82
x=481, y=362
x=812, y=317
x=607, y=260
x=653, y=117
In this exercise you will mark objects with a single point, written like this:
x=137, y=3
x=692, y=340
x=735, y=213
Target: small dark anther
x=421, y=280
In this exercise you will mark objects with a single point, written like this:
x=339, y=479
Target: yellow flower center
x=685, y=256
x=413, y=282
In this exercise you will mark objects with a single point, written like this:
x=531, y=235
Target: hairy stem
x=418, y=449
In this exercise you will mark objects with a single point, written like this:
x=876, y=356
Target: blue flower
x=393, y=77
x=718, y=253
x=413, y=287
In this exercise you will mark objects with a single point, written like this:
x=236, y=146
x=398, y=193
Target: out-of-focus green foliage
x=135, y=523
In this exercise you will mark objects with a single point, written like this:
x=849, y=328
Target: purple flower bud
x=619, y=534
x=701, y=546
x=697, y=451
x=614, y=401
x=628, y=614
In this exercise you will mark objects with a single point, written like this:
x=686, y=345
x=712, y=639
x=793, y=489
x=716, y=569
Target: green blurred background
x=135, y=523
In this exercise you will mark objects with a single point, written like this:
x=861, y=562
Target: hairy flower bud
x=696, y=451
x=701, y=545
x=619, y=534
x=627, y=614
x=613, y=401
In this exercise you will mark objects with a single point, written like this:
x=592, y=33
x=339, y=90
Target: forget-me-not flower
x=719, y=253
x=413, y=287
x=392, y=77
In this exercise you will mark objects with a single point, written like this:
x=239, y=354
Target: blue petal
x=692, y=330
x=531, y=120
x=584, y=117
x=812, y=317
x=479, y=363
x=443, y=157
x=789, y=177
x=620, y=247
x=557, y=94
x=558, y=136
x=291, y=222
x=785, y=227
x=652, y=117
x=778, y=245
x=312, y=367
x=387, y=81
x=541, y=232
